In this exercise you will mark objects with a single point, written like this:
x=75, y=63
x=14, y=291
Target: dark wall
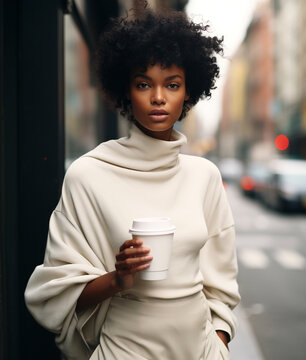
x=41, y=150
x=32, y=161
x=8, y=174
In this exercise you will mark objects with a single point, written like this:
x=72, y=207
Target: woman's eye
x=173, y=86
x=142, y=85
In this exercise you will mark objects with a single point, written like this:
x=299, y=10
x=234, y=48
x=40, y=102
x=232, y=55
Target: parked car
x=254, y=179
x=231, y=169
x=286, y=185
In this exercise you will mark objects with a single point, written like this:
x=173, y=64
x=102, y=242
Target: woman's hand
x=132, y=258
x=223, y=336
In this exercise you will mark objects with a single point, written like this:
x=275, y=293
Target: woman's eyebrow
x=172, y=77
x=142, y=76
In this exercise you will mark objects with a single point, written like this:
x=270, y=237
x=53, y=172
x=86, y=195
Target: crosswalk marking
x=290, y=259
x=256, y=258
x=253, y=258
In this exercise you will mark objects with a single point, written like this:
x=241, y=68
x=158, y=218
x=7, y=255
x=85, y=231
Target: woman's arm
x=219, y=268
x=132, y=258
x=218, y=261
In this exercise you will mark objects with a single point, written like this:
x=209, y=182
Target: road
x=271, y=249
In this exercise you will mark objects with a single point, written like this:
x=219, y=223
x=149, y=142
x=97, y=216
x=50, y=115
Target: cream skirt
x=178, y=329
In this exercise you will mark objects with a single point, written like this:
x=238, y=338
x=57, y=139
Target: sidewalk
x=244, y=345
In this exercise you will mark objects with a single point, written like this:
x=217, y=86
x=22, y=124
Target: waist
x=159, y=306
x=169, y=289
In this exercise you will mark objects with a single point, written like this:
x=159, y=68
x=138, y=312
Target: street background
x=271, y=251
x=254, y=129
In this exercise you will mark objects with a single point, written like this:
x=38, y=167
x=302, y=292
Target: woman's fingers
x=132, y=252
x=132, y=262
x=131, y=243
x=139, y=268
x=132, y=257
x=131, y=270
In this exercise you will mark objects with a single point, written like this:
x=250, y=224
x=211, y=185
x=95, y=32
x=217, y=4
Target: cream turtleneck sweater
x=136, y=176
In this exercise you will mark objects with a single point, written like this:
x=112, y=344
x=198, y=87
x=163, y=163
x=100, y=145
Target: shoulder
x=79, y=170
x=84, y=169
x=200, y=165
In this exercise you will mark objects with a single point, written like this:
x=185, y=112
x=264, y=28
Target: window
x=82, y=102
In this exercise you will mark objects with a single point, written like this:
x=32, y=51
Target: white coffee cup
x=157, y=234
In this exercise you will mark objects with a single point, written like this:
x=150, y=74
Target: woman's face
x=157, y=97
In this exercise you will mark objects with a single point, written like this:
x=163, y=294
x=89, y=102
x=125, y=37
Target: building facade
x=290, y=72
x=247, y=124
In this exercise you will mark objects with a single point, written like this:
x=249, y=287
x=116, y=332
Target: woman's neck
x=161, y=135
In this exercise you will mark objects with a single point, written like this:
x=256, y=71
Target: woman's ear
x=187, y=97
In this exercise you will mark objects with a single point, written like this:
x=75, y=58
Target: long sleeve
x=70, y=262
x=218, y=260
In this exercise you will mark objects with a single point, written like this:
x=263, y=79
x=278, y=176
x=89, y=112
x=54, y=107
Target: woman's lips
x=158, y=115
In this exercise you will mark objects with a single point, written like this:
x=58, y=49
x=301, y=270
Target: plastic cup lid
x=151, y=226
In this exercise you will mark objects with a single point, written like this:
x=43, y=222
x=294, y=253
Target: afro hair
x=149, y=38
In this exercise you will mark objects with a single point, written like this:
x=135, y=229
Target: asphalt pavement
x=244, y=346
x=271, y=250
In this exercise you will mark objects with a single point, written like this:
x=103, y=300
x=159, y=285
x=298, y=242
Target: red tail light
x=247, y=183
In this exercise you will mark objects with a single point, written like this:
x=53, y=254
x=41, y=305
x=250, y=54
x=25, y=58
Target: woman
x=154, y=68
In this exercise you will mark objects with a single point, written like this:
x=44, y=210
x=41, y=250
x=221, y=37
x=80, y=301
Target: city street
x=271, y=250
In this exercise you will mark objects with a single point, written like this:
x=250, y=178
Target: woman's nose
x=158, y=97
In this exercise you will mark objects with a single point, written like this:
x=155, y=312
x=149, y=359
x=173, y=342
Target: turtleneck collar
x=141, y=152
